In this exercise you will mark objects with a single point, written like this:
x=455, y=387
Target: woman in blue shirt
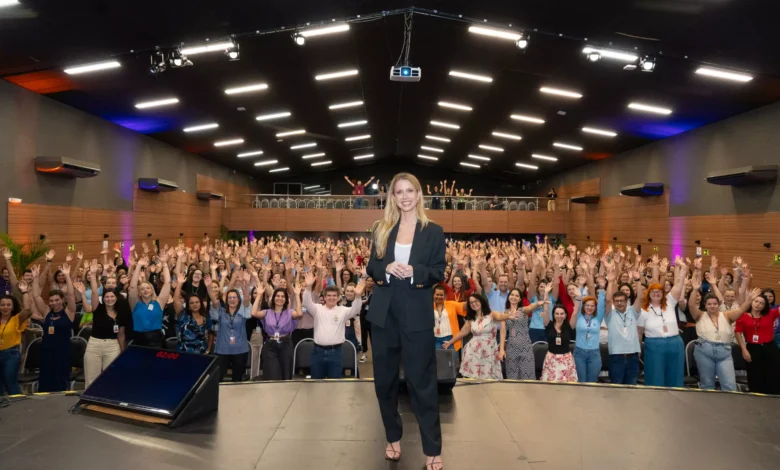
x=193, y=324
x=587, y=357
x=147, y=307
x=232, y=345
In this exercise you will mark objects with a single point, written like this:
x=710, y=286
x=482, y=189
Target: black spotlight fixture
x=157, y=64
x=647, y=64
x=767, y=245
x=594, y=56
x=523, y=42
x=177, y=60
x=698, y=242
x=233, y=53
x=299, y=39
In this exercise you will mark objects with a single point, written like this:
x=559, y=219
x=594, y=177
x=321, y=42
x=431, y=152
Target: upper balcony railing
x=280, y=201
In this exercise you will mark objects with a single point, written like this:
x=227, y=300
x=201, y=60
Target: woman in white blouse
x=664, y=350
x=713, y=347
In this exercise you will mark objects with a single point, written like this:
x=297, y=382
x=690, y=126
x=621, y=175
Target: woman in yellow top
x=13, y=321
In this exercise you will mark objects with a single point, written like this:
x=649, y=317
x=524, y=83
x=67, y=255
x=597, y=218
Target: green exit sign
x=655, y=248
x=777, y=259
x=71, y=247
x=706, y=252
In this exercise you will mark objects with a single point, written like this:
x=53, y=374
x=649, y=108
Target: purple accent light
x=677, y=227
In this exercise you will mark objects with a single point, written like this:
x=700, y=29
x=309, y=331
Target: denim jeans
x=349, y=335
x=440, y=341
x=624, y=368
x=588, y=364
x=664, y=361
x=326, y=363
x=714, y=359
x=359, y=203
x=9, y=370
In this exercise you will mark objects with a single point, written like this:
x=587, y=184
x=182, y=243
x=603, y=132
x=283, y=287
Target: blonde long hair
x=384, y=226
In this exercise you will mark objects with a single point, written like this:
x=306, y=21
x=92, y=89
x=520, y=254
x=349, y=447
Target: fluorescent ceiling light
x=567, y=146
x=224, y=143
x=460, y=107
x=559, y=92
x=363, y=157
x=358, y=137
x=432, y=149
x=445, y=124
x=504, y=135
x=278, y=169
x=428, y=157
x=8, y=3
x=303, y=146
x=311, y=187
x=253, y=153
x=479, y=157
x=524, y=118
x=724, y=74
x=88, y=67
x=313, y=155
x=470, y=76
x=215, y=47
x=593, y=130
x=246, y=89
x=436, y=137
x=496, y=33
x=202, y=127
x=327, y=162
x=348, y=104
x=268, y=117
x=649, y=108
x=544, y=157
x=289, y=133
x=472, y=165
x=353, y=123
x=491, y=148
x=525, y=165
x=339, y=28
x=156, y=103
x=344, y=73
x=611, y=54
x=266, y=162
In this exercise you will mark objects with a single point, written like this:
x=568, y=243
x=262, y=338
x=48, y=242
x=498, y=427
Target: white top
x=441, y=323
x=706, y=329
x=654, y=319
x=329, y=323
x=402, y=253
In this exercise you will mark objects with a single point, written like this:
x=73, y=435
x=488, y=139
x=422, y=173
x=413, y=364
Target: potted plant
x=23, y=255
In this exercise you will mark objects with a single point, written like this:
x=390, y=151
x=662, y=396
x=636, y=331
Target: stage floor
x=336, y=425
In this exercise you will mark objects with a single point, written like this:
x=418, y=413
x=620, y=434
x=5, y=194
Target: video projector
x=405, y=73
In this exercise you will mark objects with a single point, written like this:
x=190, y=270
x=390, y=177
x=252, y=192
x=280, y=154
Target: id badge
x=558, y=341
x=666, y=330
x=232, y=340
x=258, y=330
x=116, y=329
x=150, y=307
x=587, y=336
x=349, y=322
x=755, y=339
x=276, y=336
x=51, y=331
x=438, y=331
x=625, y=331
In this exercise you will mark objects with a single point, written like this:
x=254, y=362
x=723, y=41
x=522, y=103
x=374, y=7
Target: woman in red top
x=460, y=287
x=756, y=338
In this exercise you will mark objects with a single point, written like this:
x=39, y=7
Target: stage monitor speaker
x=156, y=386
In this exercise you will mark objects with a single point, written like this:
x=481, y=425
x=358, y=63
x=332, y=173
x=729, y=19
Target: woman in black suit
x=407, y=260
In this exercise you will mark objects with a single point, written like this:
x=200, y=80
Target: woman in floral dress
x=519, y=350
x=481, y=356
x=559, y=361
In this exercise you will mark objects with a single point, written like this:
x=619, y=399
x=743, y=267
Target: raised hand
x=754, y=293
x=206, y=279
x=143, y=262
x=80, y=256
x=23, y=287
x=6, y=253
x=79, y=286
x=50, y=255
x=724, y=270
x=93, y=266
x=309, y=280
x=65, y=268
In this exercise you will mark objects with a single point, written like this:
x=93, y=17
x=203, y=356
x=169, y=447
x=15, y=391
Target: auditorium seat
x=78, y=346
x=85, y=332
x=691, y=379
x=32, y=364
x=540, y=351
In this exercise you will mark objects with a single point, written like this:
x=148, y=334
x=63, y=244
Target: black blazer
x=428, y=259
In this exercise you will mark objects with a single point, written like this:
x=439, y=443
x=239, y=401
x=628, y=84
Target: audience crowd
x=252, y=301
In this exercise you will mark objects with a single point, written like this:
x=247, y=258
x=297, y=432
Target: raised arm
x=733, y=315
x=256, y=311
x=10, y=267
x=693, y=306
x=132, y=290
x=713, y=285
x=165, y=292
x=27, y=302
x=298, y=313
x=745, y=284
x=348, y=181
x=679, y=280
x=93, y=284
x=36, y=291
x=70, y=297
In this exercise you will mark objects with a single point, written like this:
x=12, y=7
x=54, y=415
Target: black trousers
x=365, y=332
x=417, y=348
x=301, y=334
x=152, y=339
x=236, y=362
x=277, y=359
x=763, y=371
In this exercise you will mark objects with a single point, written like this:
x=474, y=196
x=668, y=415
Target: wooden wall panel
x=587, y=187
x=312, y=220
x=359, y=220
x=443, y=218
x=479, y=221
x=235, y=194
x=536, y=222
x=263, y=220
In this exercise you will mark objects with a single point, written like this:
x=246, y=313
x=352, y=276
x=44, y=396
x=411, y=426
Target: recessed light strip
x=327, y=162
x=348, y=104
x=559, y=92
x=432, y=149
x=215, y=47
x=543, y=157
x=459, y=107
x=253, y=153
x=266, y=162
x=87, y=68
x=246, y=89
x=268, y=117
x=471, y=165
x=525, y=165
x=604, y=132
x=353, y=123
x=436, y=137
x=428, y=157
x=357, y=137
x=612, y=54
x=479, y=157
x=567, y=146
x=340, y=28
x=201, y=127
x=363, y=157
x=445, y=124
x=495, y=33
x=313, y=155
x=304, y=146
x=491, y=148
x=156, y=103
x=504, y=135
x=330, y=76
x=524, y=118
x=724, y=74
x=224, y=143
x=274, y=170
x=649, y=108
x=470, y=76
x=289, y=133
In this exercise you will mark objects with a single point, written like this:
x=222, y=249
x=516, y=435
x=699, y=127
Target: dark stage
x=336, y=425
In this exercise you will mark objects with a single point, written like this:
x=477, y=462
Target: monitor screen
x=149, y=380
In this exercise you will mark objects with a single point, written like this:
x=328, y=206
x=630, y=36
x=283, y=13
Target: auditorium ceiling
x=484, y=105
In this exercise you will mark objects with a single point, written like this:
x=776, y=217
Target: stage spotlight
x=233, y=54
x=522, y=43
x=299, y=39
x=647, y=64
x=177, y=60
x=157, y=64
x=594, y=56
